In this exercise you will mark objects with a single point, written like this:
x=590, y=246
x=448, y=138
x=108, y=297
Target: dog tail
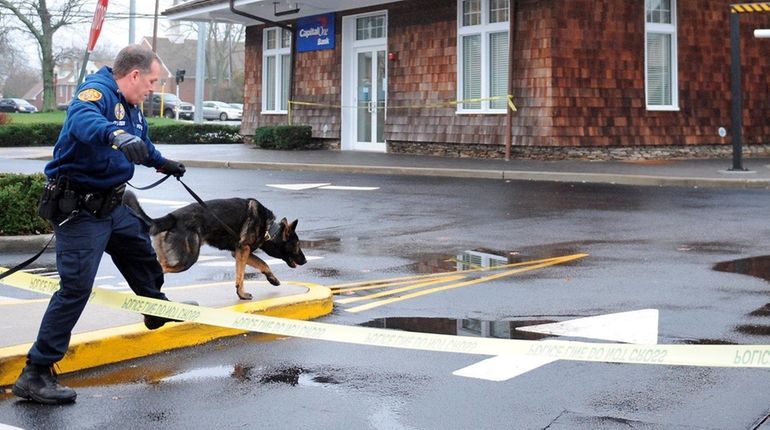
x=156, y=225
x=130, y=200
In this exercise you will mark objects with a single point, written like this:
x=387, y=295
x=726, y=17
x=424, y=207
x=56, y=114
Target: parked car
x=220, y=110
x=170, y=103
x=16, y=105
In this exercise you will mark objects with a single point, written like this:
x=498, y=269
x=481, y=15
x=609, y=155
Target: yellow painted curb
x=112, y=345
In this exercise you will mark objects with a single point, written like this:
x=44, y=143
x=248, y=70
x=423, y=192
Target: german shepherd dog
x=178, y=236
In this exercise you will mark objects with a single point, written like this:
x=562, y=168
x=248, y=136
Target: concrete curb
x=513, y=175
x=26, y=243
x=113, y=345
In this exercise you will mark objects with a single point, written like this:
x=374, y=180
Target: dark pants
x=80, y=244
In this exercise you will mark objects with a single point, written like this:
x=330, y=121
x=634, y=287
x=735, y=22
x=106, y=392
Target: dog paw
x=273, y=280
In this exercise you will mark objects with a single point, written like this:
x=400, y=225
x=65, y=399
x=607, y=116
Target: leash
x=29, y=261
x=205, y=206
x=153, y=185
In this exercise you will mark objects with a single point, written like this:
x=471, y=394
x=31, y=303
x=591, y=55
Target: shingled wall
x=578, y=83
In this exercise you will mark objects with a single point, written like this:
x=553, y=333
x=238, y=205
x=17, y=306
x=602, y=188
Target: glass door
x=370, y=98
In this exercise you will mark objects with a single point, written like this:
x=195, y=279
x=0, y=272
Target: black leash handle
x=153, y=185
x=205, y=206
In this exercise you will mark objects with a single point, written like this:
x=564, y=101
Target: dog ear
x=294, y=225
x=284, y=228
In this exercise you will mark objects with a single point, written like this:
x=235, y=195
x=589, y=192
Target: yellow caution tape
x=452, y=103
x=687, y=355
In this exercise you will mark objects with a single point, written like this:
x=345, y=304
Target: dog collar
x=272, y=230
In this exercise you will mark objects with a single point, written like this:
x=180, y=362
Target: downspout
x=508, y=110
x=281, y=25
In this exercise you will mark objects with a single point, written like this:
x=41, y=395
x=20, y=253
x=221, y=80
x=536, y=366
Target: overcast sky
x=114, y=33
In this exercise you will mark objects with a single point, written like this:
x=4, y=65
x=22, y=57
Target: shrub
x=44, y=134
x=19, y=195
x=4, y=118
x=195, y=133
x=283, y=137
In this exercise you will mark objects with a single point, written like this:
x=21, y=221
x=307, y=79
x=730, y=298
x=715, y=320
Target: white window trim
x=277, y=53
x=484, y=29
x=670, y=29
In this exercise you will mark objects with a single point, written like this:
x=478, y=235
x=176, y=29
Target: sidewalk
x=104, y=336
x=686, y=173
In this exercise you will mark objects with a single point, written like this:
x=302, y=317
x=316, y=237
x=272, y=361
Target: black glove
x=133, y=147
x=171, y=167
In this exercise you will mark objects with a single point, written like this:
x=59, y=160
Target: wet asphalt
x=697, y=255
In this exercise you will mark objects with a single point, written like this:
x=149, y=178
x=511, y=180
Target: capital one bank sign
x=315, y=33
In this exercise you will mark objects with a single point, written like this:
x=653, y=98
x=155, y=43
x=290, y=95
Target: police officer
x=103, y=137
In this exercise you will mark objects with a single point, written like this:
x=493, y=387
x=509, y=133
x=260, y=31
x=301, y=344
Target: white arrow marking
x=163, y=202
x=630, y=327
x=296, y=187
x=343, y=188
x=502, y=367
x=640, y=327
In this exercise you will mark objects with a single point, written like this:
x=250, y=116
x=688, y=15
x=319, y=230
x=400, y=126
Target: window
x=660, y=55
x=276, y=70
x=482, y=55
x=370, y=27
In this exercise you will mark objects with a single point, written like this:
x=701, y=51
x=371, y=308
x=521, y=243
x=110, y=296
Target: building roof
x=174, y=56
x=219, y=10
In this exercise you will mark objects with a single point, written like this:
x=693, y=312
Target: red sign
x=96, y=26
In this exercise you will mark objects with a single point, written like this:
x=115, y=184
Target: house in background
x=589, y=78
x=175, y=56
x=65, y=82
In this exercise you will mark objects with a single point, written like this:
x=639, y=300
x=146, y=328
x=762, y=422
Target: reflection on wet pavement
x=461, y=327
x=752, y=266
x=760, y=268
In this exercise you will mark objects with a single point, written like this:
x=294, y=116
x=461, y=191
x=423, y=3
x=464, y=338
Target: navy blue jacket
x=83, y=151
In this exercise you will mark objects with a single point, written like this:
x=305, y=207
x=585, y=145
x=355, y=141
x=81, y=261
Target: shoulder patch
x=119, y=111
x=89, y=95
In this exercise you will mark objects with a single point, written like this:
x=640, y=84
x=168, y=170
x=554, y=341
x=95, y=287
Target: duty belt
x=102, y=204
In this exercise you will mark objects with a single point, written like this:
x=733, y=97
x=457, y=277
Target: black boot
x=38, y=383
x=152, y=322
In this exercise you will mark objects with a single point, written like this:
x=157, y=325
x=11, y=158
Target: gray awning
x=219, y=10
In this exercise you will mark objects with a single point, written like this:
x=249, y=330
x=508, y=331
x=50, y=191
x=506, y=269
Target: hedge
x=19, y=195
x=43, y=134
x=283, y=137
x=46, y=134
x=195, y=133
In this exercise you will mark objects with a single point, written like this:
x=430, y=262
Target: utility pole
x=200, y=71
x=132, y=22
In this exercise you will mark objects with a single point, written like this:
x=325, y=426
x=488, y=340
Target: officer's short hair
x=133, y=57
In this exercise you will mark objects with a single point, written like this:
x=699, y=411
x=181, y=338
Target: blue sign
x=315, y=33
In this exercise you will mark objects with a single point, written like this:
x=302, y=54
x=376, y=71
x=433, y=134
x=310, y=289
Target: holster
x=57, y=199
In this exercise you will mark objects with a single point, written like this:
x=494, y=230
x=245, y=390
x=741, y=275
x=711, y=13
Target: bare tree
x=224, y=74
x=41, y=21
x=10, y=54
x=224, y=41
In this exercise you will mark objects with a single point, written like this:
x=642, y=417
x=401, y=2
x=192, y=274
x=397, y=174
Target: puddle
x=328, y=243
x=201, y=374
x=710, y=248
x=485, y=258
x=752, y=266
x=461, y=327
